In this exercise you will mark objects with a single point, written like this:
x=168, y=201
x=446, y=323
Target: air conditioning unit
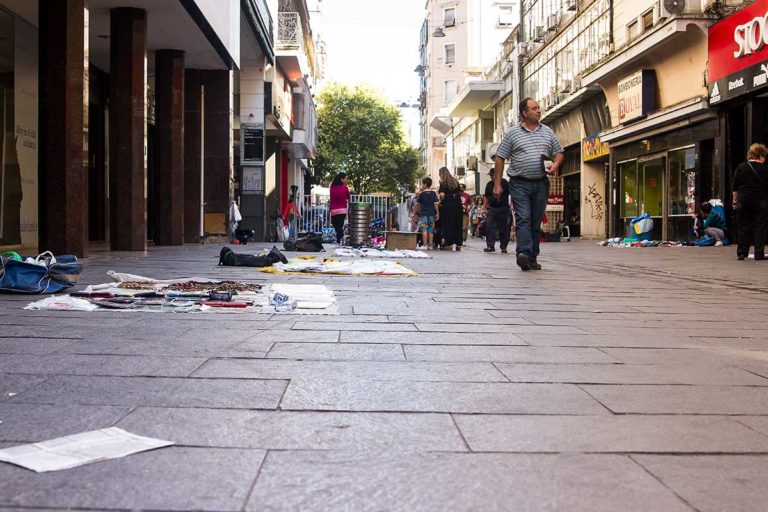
x=472, y=163
x=461, y=171
x=524, y=48
x=575, y=83
x=539, y=33
x=566, y=86
x=671, y=8
x=572, y=5
x=553, y=21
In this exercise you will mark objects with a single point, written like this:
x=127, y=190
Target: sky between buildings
x=374, y=42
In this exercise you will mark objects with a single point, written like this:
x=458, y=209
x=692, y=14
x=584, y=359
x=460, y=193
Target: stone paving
x=614, y=379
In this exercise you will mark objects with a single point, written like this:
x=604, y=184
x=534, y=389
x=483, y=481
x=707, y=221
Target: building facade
x=120, y=118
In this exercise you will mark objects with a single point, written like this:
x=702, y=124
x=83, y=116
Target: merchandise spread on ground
x=380, y=253
x=369, y=267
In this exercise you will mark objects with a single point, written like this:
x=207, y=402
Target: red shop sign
x=554, y=199
x=739, y=41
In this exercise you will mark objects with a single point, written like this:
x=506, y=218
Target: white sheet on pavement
x=79, y=449
x=366, y=267
x=379, y=253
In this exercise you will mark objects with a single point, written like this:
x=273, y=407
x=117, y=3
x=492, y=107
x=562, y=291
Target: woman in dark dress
x=750, y=200
x=451, y=211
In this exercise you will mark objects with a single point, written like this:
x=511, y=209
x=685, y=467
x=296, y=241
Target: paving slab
x=429, y=338
x=713, y=483
x=468, y=397
x=13, y=384
x=363, y=481
x=719, y=400
x=297, y=430
x=29, y=423
x=705, y=356
x=507, y=354
x=349, y=370
x=370, y=326
x=159, y=392
x=496, y=328
x=337, y=351
x=74, y=364
x=614, y=340
x=630, y=374
x=171, y=478
x=612, y=434
x=32, y=345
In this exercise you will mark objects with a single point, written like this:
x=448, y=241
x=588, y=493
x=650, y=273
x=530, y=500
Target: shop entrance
x=663, y=185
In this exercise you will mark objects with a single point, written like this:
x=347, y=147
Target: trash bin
x=359, y=224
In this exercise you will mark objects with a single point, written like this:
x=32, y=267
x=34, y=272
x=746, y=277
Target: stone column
x=217, y=154
x=128, y=129
x=169, y=147
x=63, y=155
x=193, y=140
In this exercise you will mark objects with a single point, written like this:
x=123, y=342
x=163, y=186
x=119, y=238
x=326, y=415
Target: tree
x=360, y=134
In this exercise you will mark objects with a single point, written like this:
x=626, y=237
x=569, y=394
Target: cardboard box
x=401, y=240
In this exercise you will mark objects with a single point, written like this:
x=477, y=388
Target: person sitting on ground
x=712, y=224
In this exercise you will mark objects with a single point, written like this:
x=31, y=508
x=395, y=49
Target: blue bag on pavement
x=44, y=274
x=641, y=227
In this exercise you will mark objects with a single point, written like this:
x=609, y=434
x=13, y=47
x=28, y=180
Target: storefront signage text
x=593, y=148
x=637, y=95
x=738, y=49
x=555, y=203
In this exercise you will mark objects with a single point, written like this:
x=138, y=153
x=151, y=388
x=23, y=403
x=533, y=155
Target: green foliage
x=360, y=134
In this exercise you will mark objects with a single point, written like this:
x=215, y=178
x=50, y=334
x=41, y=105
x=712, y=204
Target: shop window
x=682, y=181
x=628, y=189
x=652, y=186
x=633, y=30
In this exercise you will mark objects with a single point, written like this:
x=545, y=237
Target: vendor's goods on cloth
x=45, y=273
x=367, y=267
x=138, y=293
x=346, y=252
x=79, y=449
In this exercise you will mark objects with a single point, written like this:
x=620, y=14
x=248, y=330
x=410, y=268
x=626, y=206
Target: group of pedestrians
x=534, y=155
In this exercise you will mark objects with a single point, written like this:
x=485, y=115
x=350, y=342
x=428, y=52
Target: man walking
x=528, y=145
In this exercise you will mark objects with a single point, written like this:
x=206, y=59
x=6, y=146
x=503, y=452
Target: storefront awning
x=473, y=97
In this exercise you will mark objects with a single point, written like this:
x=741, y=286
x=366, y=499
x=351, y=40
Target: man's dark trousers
x=530, y=201
x=497, y=218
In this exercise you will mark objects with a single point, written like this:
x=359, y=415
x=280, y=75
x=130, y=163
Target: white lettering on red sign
x=751, y=37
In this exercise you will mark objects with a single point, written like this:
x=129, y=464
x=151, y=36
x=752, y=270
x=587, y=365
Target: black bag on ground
x=229, y=258
x=312, y=242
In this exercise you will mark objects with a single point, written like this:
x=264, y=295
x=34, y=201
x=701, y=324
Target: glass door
x=628, y=194
x=651, y=197
x=682, y=193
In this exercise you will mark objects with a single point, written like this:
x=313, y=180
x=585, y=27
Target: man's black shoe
x=489, y=249
x=534, y=265
x=740, y=257
x=523, y=261
x=277, y=255
x=503, y=251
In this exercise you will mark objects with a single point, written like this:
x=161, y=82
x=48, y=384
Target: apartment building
x=458, y=40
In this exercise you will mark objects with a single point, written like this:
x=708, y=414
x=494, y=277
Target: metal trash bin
x=359, y=224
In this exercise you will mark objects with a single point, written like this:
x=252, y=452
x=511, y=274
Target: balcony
x=289, y=46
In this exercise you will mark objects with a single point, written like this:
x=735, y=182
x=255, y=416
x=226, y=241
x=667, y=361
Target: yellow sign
x=592, y=148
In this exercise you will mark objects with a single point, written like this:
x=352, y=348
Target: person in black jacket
x=497, y=217
x=750, y=200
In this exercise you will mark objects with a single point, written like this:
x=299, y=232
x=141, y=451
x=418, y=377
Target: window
x=506, y=17
x=449, y=17
x=633, y=30
x=648, y=20
x=450, y=54
x=449, y=90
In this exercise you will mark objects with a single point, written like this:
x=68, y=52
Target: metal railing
x=317, y=215
x=289, y=33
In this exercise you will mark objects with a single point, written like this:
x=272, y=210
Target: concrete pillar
x=63, y=160
x=217, y=152
x=193, y=151
x=128, y=129
x=169, y=147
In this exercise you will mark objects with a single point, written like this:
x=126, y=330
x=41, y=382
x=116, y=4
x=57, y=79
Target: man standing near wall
x=528, y=145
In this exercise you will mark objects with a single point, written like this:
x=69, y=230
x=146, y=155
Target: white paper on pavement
x=79, y=449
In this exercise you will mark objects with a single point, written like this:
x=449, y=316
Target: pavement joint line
x=495, y=365
x=596, y=399
x=461, y=434
x=279, y=405
x=197, y=368
x=658, y=479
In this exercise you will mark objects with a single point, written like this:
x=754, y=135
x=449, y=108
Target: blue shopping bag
x=45, y=274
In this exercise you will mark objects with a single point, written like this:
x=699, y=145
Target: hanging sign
x=637, y=95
